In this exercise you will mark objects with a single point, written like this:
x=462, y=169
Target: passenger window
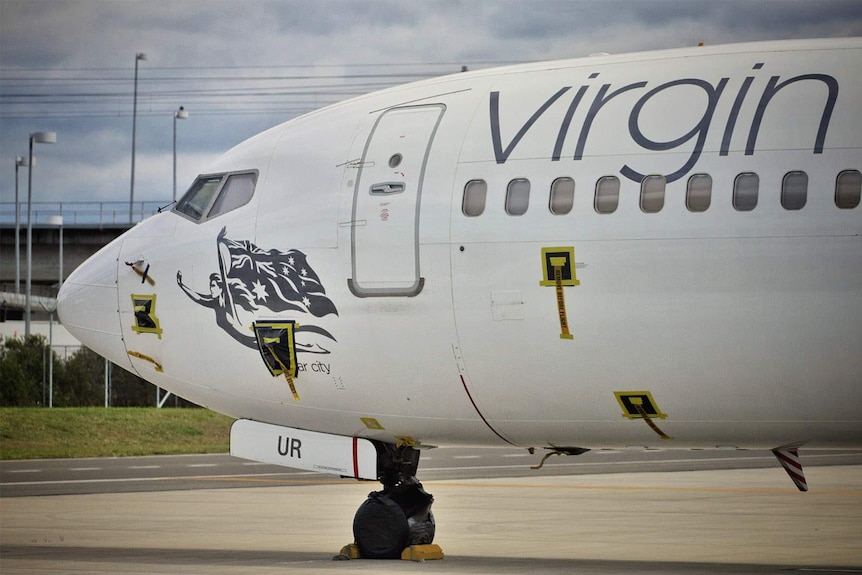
x=698, y=193
x=197, y=200
x=236, y=192
x=745, y=189
x=848, y=189
x=652, y=194
x=562, y=196
x=473, y=203
x=517, y=197
x=607, y=195
x=794, y=190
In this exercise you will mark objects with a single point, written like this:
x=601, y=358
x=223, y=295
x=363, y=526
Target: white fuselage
x=744, y=326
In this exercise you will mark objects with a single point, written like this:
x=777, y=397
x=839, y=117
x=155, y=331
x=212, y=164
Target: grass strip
x=41, y=433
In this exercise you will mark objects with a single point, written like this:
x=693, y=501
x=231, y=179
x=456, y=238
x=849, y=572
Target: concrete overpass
x=87, y=227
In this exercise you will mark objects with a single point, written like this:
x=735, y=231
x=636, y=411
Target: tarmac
x=728, y=521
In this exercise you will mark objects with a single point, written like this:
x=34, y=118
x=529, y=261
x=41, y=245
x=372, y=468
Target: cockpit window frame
x=207, y=214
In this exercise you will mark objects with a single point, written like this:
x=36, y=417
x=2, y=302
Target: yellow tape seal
x=371, y=423
x=144, y=274
x=640, y=404
x=146, y=358
x=146, y=321
x=561, y=299
x=288, y=375
x=289, y=379
x=274, y=362
x=651, y=423
x=558, y=270
x=405, y=441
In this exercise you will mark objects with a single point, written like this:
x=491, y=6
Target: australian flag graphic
x=272, y=279
x=251, y=279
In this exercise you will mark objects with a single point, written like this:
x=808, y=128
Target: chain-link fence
x=33, y=374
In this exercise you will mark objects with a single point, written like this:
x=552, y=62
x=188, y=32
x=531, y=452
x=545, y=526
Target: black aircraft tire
x=380, y=528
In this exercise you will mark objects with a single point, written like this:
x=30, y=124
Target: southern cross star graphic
x=260, y=291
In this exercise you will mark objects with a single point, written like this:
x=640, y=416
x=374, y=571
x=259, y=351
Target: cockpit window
x=237, y=191
x=196, y=201
x=217, y=194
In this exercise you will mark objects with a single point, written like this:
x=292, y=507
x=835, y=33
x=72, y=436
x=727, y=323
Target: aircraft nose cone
x=88, y=306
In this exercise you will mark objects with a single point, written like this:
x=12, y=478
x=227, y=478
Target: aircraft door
x=387, y=200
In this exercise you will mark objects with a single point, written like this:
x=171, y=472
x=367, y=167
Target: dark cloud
x=606, y=24
x=331, y=17
x=193, y=40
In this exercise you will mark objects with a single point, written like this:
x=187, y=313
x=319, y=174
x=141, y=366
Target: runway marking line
x=827, y=570
x=443, y=483
x=145, y=479
x=751, y=490
x=258, y=477
x=285, y=482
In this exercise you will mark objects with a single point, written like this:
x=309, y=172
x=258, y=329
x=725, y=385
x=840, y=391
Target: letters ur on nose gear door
x=387, y=200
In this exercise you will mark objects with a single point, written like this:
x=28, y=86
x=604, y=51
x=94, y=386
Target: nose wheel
x=396, y=521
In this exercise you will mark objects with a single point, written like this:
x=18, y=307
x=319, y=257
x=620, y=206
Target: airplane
x=657, y=250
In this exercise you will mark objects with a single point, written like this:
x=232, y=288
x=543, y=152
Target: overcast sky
x=241, y=67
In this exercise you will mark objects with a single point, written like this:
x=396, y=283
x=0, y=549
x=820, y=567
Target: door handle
x=387, y=188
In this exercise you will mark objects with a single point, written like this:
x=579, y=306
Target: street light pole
x=180, y=114
x=138, y=57
x=20, y=162
x=40, y=138
x=54, y=221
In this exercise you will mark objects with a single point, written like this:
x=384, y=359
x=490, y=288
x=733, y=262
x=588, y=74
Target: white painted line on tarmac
x=174, y=478
x=638, y=462
x=827, y=570
x=643, y=464
x=24, y=471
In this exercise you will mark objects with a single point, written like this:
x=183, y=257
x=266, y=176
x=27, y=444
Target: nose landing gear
x=397, y=521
